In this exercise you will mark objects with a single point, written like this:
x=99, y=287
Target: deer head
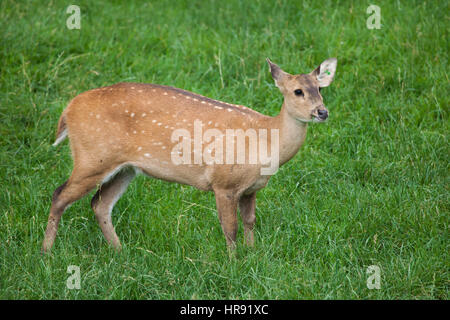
x=301, y=92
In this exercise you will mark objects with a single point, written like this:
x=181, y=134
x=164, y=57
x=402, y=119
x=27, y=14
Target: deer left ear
x=325, y=72
x=277, y=73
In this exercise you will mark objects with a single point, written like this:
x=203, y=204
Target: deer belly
x=192, y=176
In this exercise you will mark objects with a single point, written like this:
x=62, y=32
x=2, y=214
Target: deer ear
x=325, y=72
x=277, y=74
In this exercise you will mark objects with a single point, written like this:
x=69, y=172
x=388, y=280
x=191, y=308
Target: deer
x=126, y=129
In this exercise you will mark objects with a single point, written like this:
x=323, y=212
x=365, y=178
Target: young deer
x=119, y=131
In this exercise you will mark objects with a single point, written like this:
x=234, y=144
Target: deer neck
x=292, y=134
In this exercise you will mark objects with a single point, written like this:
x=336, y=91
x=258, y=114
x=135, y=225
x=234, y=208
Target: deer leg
x=78, y=185
x=104, y=200
x=226, y=202
x=247, y=209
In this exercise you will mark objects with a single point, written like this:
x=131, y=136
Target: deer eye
x=298, y=92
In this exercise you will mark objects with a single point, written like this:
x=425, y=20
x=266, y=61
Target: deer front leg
x=226, y=202
x=247, y=209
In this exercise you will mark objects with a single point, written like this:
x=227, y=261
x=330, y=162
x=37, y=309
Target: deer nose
x=323, y=113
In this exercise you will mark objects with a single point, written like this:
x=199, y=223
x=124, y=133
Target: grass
x=369, y=187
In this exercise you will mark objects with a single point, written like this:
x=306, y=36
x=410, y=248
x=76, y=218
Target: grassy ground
x=369, y=187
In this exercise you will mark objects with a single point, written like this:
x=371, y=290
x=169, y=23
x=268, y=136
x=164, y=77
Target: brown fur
x=129, y=125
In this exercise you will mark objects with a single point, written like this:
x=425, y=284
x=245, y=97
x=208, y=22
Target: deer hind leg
x=78, y=185
x=104, y=200
x=227, y=201
x=247, y=209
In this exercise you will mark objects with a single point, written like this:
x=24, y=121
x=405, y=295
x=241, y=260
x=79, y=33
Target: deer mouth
x=317, y=118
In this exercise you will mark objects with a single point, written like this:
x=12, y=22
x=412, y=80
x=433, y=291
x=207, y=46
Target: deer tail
x=61, y=131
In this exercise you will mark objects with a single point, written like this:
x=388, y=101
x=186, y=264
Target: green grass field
x=369, y=187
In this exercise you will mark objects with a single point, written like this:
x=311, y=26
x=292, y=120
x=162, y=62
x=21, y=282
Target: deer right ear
x=325, y=72
x=277, y=74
